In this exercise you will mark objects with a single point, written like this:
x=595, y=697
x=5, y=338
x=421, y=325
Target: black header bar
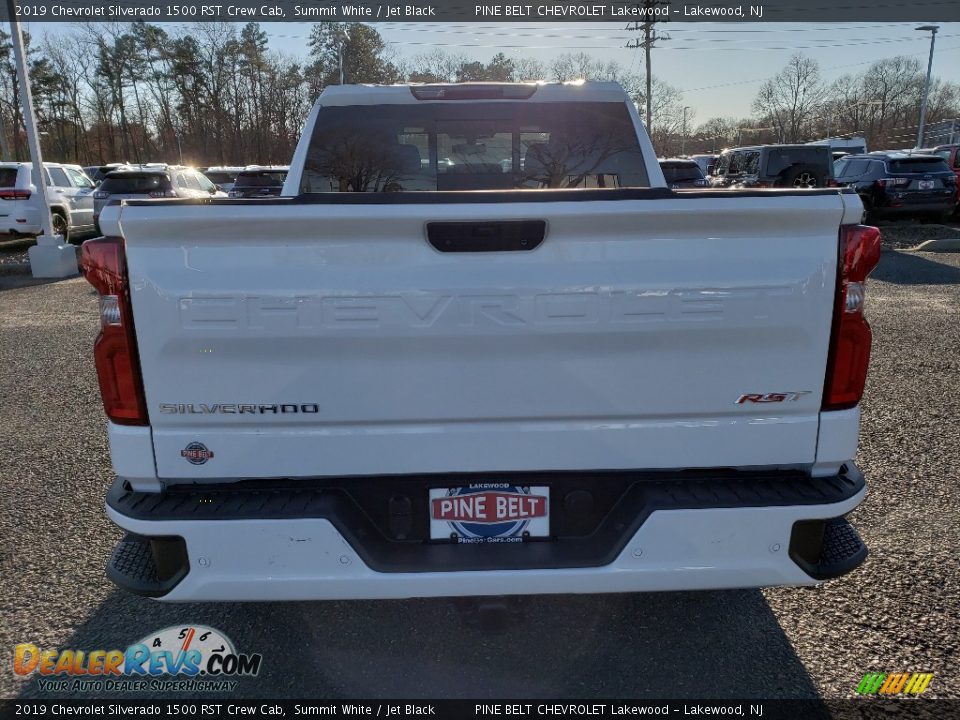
x=518, y=11
x=216, y=706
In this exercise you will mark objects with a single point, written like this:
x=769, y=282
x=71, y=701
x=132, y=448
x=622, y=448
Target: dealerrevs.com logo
x=191, y=659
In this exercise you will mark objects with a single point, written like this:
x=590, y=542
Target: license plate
x=489, y=513
x=926, y=184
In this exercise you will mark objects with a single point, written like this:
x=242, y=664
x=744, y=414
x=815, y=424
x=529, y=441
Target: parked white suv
x=69, y=195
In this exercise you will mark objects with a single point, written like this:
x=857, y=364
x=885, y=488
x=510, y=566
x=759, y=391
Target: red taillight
x=104, y=266
x=831, y=182
x=14, y=194
x=849, y=355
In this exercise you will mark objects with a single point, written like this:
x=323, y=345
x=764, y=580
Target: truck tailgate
x=299, y=339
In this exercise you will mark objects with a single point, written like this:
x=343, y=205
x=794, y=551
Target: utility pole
x=650, y=38
x=49, y=257
x=683, y=137
x=4, y=146
x=926, y=88
x=342, y=36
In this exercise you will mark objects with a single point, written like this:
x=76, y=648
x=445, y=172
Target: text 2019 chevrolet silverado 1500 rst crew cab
x=479, y=347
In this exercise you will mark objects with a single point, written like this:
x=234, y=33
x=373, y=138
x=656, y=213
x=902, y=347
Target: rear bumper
x=19, y=217
x=228, y=543
x=887, y=205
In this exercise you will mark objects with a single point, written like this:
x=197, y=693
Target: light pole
x=683, y=138
x=926, y=88
x=50, y=257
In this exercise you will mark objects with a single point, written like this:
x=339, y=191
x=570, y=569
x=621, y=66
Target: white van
x=852, y=145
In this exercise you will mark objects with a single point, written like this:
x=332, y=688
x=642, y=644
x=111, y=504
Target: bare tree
x=714, y=135
x=435, y=66
x=527, y=68
x=792, y=99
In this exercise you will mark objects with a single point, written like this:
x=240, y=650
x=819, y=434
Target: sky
x=718, y=66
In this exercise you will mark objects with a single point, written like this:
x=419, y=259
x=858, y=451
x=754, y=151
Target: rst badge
x=489, y=512
x=776, y=397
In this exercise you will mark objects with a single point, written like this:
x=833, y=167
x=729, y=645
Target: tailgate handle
x=486, y=235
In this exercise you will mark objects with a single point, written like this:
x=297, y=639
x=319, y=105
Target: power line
x=565, y=46
x=446, y=28
x=832, y=67
x=528, y=46
x=618, y=37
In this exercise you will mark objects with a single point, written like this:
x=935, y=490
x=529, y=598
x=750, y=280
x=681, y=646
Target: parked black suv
x=892, y=183
x=774, y=166
x=682, y=173
x=255, y=182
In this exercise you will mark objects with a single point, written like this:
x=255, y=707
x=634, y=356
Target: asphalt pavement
x=899, y=612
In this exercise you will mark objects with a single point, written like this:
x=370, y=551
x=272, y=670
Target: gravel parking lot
x=899, y=612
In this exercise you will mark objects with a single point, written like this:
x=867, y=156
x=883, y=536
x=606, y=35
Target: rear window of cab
x=452, y=146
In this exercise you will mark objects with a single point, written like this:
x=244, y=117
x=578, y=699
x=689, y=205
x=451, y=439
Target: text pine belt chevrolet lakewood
x=478, y=347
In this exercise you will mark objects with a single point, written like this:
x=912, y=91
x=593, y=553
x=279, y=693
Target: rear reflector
x=115, y=351
x=850, y=339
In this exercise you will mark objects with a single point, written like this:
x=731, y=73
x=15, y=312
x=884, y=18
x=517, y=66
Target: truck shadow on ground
x=15, y=281
x=658, y=646
x=910, y=268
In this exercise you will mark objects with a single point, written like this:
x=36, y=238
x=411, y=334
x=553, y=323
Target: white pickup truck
x=478, y=347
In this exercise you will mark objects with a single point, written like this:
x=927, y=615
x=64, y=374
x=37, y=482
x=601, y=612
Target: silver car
x=151, y=181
